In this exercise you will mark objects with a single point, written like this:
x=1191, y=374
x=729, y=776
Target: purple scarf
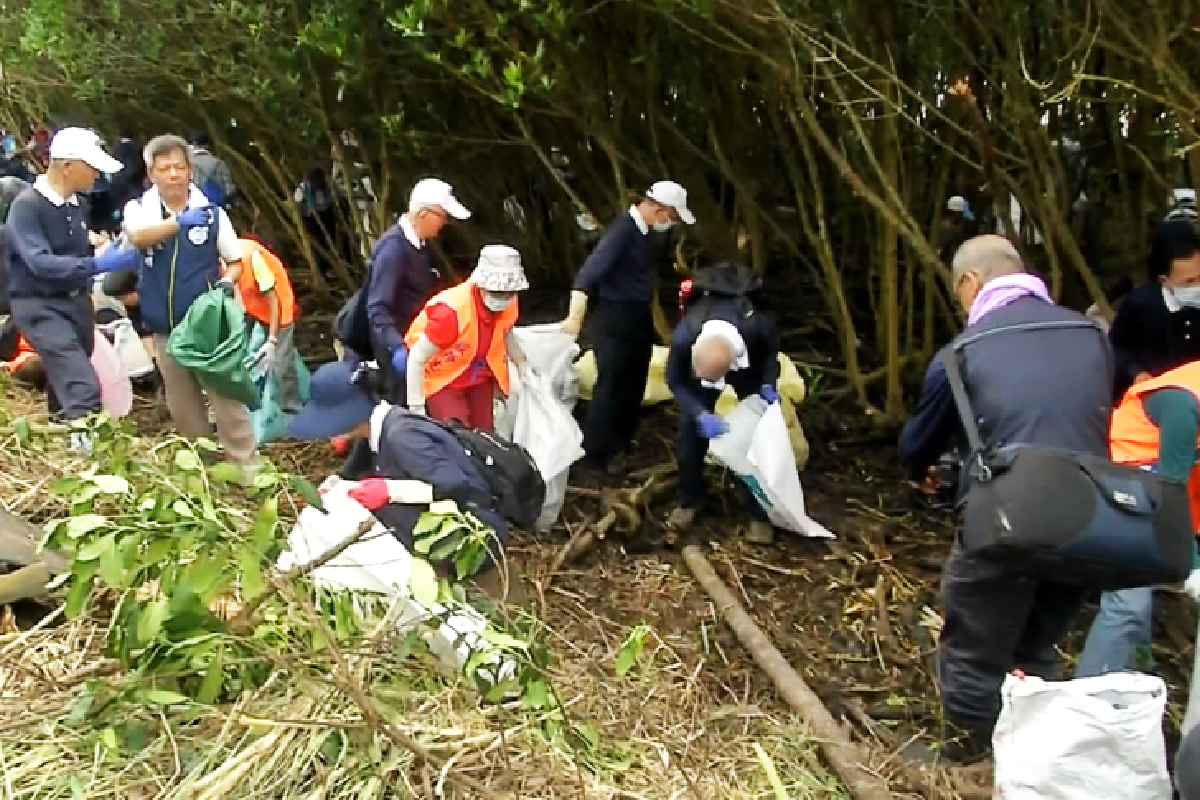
x=1002, y=291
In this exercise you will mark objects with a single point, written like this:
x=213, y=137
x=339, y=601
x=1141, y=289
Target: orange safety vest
x=444, y=367
x=255, y=301
x=1133, y=437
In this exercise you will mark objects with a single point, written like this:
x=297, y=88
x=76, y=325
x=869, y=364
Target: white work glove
x=263, y=360
x=1192, y=585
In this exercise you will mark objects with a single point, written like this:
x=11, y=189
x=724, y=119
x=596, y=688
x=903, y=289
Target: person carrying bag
x=1066, y=516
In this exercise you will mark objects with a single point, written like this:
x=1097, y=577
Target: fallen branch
x=843, y=755
x=624, y=507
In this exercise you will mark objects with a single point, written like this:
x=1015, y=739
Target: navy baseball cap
x=335, y=404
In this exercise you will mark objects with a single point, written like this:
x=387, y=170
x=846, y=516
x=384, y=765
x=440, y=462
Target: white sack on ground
x=758, y=450
x=538, y=414
x=379, y=564
x=1083, y=739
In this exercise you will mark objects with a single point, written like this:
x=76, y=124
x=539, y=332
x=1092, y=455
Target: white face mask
x=663, y=227
x=496, y=302
x=1188, y=296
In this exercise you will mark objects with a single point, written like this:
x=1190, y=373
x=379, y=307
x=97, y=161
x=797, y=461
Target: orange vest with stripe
x=444, y=366
x=1133, y=437
x=255, y=301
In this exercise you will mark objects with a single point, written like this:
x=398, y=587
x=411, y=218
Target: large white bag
x=1086, y=739
x=539, y=412
x=758, y=450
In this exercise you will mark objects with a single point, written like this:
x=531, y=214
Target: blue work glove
x=769, y=393
x=114, y=260
x=226, y=286
x=400, y=359
x=711, y=426
x=192, y=217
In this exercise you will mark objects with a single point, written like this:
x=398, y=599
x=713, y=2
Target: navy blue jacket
x=1051, y=388
x=762, y=348
x=1148, y=337
x=621, y=268
x=400, y=281
x=175, y=272
x=414, y=447
x=47, y=252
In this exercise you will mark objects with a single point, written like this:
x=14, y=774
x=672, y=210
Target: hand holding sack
x=711, y=426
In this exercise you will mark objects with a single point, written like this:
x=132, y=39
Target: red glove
x=371, y=494
x=341, y=444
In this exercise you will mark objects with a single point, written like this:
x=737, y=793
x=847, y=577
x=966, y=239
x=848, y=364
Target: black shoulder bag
x=1068, y=517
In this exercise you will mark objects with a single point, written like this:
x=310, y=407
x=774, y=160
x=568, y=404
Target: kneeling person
x=403, y=446
x=723, y=343
x=460, y=343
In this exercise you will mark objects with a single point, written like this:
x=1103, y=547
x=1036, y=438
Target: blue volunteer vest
x=177, y=271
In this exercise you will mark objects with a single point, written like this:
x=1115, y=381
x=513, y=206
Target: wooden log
x=624, y=507
x=19, y=541
x=843, y=755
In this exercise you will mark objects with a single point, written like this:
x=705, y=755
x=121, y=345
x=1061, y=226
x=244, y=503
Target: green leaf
x=64, y=486
x=204, y=443
x=111, y=484
x=308, y=493
x=77, y=597
x=151, y=620
x=214, y=678
x=85, y=494
x=23, y=431
x=112, y=565
x=225, y=472
x=536, y=696
x=251, y=569
x=423, y=582
x=182, y=508
x=443, y=507
x=161, y=697
x=265, y=480
x=187, y=461
x=108, y=737
x=502, y=639
x=58, y=581
x=428, y=523
x=263, y=532
x=84, y=524
x=95, y=548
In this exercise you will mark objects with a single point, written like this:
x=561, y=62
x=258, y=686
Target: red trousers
x=471, y=405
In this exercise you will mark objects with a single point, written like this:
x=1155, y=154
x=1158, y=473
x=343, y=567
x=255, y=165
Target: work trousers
x=1119, y=638
x=623, y=342
x=995, y=620
x=471, y=405
x=61, y=332
x=691, y=448
x=189, y=411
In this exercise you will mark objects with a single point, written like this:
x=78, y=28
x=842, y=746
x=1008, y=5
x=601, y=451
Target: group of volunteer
x=176, y=245
x=1038, y=386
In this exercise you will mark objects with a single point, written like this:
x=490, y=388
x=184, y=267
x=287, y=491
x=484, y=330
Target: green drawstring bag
x=211, y=341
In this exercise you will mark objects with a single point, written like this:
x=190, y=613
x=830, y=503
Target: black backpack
x=724, y=281
x=352, y=327
x=517, y=487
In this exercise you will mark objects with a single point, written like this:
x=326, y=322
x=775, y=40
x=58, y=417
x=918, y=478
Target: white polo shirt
x=149, y=210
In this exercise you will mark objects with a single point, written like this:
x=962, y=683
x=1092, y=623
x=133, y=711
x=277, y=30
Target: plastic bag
x=1083, y=739
x=538, y=415
x=758, y=450
x=269, y=420
x=138, y=363
x=211, y=342
x=790, y=385
x=116, y=392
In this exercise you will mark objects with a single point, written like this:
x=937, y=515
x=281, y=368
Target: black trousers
x=623, y=341
x=691, y=448
x=995, y=621
x=61, y=332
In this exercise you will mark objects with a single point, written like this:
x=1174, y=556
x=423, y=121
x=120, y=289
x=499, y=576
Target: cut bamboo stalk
x=843, y=755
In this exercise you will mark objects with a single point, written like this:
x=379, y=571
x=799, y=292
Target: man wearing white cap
x=50, y=266
x=401, y=277
x=617, y=282
x=460, y=343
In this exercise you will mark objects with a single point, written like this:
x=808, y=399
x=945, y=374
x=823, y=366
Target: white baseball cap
x=80, y=144
x=432, y=192
x=670, y=193
x=959, y=203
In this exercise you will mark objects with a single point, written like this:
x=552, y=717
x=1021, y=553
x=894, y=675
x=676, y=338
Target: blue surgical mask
x=496, y=303
x=1188, y=296
x=663, y=227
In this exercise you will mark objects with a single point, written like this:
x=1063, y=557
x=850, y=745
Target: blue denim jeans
x=1120, y=636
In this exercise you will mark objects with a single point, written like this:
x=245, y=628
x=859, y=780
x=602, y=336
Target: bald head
x=981, y=260
x=712, y=358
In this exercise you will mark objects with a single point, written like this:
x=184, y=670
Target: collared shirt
x=377, y=417
x=150, y=210
x=42, y=185
x=639, y=220
x=410, y=232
